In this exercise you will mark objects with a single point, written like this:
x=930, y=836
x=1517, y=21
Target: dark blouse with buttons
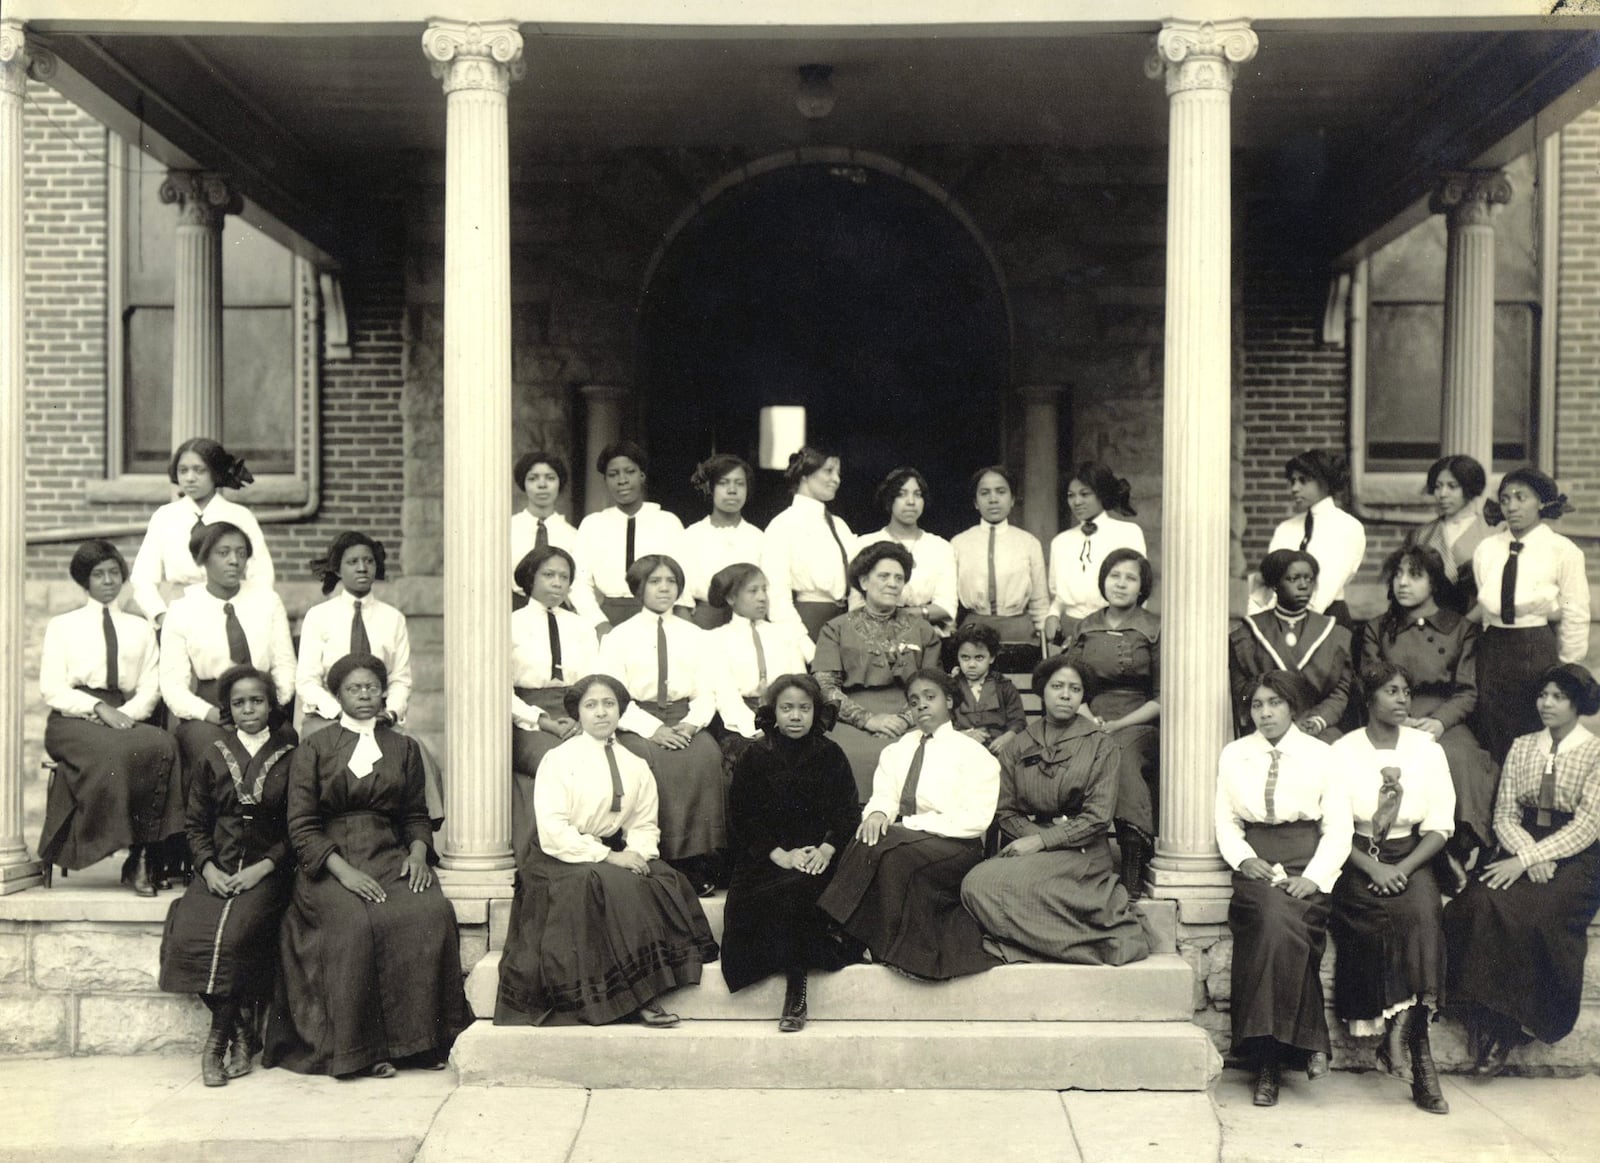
x=1439, y=653
x=1120, y=668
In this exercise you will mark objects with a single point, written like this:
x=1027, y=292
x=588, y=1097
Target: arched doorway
x=856, y=292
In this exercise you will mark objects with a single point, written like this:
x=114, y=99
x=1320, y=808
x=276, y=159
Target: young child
x=221, y=936
x=990, y=709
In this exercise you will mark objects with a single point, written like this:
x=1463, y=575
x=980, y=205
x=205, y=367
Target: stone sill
x=146, y=489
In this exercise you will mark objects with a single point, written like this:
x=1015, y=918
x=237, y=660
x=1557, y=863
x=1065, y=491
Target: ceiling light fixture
x=814, y=97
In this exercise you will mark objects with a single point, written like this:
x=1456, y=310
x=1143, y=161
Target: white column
x=1467, y=199
x=17, y=871
x=203, y=200
x=603, y=427
x=1041, y=472
x=1198, y=61
x=476, y=63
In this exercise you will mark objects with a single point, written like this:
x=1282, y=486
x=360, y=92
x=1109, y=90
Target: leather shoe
x=794, y=1006
x=656, y=1018
x=212, y=1071
x=142, y=885
x=1317, y=1065
x=1267, y=1080
x=1492, y=1059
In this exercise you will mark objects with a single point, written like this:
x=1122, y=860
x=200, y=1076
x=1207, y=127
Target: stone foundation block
x=35, y=1024
x=130, y=1024
x=13, y=959
x=87, y=960
x=1219, y=974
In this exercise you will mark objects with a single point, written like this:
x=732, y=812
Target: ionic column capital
x=202, y=198
x=20, y=60
x=1201, y=54
x=470, y=55
x=1470, y=196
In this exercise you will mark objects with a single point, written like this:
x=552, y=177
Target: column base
x=17, y=877
x=1202, y=895
x=477, y=883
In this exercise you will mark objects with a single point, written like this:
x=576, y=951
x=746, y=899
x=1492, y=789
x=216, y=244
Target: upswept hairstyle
x=327, y=566
x=227, y=471
x=805, y=462
x=1046, y=670
x=716, y=466
x=641, y=569
x=1115, y=492
x=1000, y=471
x=1323, y=465
x=729, y=580
x=1468, y=472
x=628, y=448
x=1288, y=685
x=574, y=696
x=528, y=568
x=889, y=488
x=344, y=667
x=1577, y=684
x=525, y=463
x=867, y=560
x=1276, y=564
x=203, y=539
x=1552, y=501
x=90, y=554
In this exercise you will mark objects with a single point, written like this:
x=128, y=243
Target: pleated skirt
x=690, y=790
x=1391, y=948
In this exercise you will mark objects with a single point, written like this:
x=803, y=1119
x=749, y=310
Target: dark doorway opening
x=848, y=291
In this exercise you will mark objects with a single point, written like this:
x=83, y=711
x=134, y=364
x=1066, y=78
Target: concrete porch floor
x=153, y=1107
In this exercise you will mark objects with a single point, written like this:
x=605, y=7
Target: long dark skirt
x=226, y=945
x=1391, y=948
x=901, y=898
x=1519, y=951
x=862, y=748
x=815, y=615
x=528, y=748
x=596, y=941
x=1139, y=762
x=362, y=983
x=1278, y=943
x=1509, y=665
x=1476, y=776
x=432, y=773
x=111, y=789
x=1067, y=905
x=773, y=925
x=692, y=796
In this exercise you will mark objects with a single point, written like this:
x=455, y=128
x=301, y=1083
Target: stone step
x=1155, y=990
x=752, y=1055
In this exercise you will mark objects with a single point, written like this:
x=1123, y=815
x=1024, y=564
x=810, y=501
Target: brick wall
x=1578, y=321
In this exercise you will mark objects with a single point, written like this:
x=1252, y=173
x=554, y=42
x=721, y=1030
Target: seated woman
x=721, y=538
x=672, y=680
x=1053, y=891
x=750, y=650
x=791, y=807
x=1283, y=826
x=600, y=927
x=1518, y=936
x=1000, y=578
x=1456, y=484
x=903, y=495
x=118, y=783
x=898, y=888
x=1438, y=649
x=549, y=646
x=1290, y=636
x=1387, y=920
x=221, y=936
x=369, y=957
x=1117, y=650
x=865, y=658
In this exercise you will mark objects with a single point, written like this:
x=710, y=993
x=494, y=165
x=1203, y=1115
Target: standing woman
x=164, y=564
x=1387, y=920
x=1518, y=935
x=1283, y=826
x=369, y=957
x=1289, y=635
x=1534, y=593
x=1000, y=578
x=806, y=552
x=791, y=808
x=1116, y=651
x=721, y=538
x=610, y=541
x=1319, y=527
x=903, y=495
x=1096, y=496
x=672, y=680
x=221, y=936
x=550, y=646
x=898, y=888
x=118, y=783
x=1053, y=890
x=866, y=658
x=542, y=476
x=1456, y=484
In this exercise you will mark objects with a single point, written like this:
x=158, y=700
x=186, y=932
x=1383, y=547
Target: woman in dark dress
x=792, y=806
x=1387, y=920
x=1291, y=636
x=1117, y=652
x=369, y=954
x=117, y=782
x=600, y=925
x=221, y=936
x=1053, y=891
x=898, y=888
x=1518, y=935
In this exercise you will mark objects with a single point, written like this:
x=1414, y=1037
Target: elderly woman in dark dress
x=791, y=808
x=865, y=658
x=1117, y=652
x=369, y=954
x=221, y=936
x=1053, y=891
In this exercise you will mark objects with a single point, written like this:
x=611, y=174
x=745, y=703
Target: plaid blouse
x=1577, y=770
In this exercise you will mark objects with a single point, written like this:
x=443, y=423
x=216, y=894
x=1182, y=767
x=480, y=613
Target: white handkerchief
x=367, y=752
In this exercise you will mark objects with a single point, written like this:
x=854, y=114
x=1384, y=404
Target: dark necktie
x=908, y=790
x=844, y=558
x=1547, y=791
x=1389, y=796
x=1508, y=586
x=661, y=659
x=199, y=524
x=994, y=573
x=761, y=659
x=627, y=545
x=113, y=682
x=541, y=539
x=238, y=644
x=359, y=642
x=555, y=647
x=616, y=776
x=1306, y=539
x=1272, y=787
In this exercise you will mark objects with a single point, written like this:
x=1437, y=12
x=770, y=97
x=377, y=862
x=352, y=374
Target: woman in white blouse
x=600, y=927
x=542, y=476
x=672, y=679
x=903, y=495
x=752, y=650
x=1000, y=574
x=1387, y=919
x=117, y=783
x=1283, y=826
x=1319, y=527
x=164, y=565
x=610, y=541
x=1101, y=502
x=721, y=538
x=1533, y=591
x=807, y=550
